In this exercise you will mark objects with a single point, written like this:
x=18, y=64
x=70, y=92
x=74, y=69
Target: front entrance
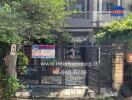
x=75, y=66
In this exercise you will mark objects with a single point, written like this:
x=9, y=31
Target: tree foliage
x=120, y=30
x=9, y=26
x=26, y=19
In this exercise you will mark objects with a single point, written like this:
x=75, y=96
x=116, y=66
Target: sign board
x=79, y=39
x=13, y=49
x=117, y=11
x=43, y=51
x=129, y=57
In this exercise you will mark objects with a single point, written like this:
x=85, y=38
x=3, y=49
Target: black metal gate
x=81, y=65
x=100, y=73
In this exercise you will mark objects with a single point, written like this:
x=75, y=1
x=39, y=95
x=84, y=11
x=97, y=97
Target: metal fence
x=81, y=65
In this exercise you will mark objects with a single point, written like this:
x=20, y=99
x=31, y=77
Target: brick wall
x=118, y=69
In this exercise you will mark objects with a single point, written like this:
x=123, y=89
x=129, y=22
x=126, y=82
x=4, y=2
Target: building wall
x=127, y=4
x=94, y=13
x=88, y=15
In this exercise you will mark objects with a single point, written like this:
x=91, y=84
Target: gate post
x=11, y=65
x=10, y=62
x=118, y=67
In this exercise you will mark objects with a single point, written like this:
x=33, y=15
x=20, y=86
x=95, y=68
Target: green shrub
x=22, y=62
x=1, y=87
x=11, y=85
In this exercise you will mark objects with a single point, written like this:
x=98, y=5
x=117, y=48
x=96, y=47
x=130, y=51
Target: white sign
x=43, y=51
x=13, y=49
x=79, y=39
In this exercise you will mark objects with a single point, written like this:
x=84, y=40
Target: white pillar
x=93, y=11
x=100, y=9
x=85, y=4
x=85, y=10
x=119, y=2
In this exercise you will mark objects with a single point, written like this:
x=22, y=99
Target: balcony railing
x=84, y=19
x=80, y=15
x=105, y=16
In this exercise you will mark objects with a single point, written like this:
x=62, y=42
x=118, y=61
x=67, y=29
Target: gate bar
x=90, y=46
x=39, y=67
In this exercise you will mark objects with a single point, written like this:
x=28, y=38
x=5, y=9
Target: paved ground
x=64, y=92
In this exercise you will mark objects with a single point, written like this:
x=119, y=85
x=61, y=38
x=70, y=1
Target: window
x=105, y=6
x=108, y=6
x=76, y=4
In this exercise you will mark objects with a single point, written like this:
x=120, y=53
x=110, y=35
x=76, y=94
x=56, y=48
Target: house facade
x=92, y=13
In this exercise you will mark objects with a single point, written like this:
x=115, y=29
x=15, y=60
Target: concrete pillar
x=11, y=65
x=118, y=70
x=85, y=9
x=85, y=3
x=93, y=11
x=119, y=2
x=100, y=9
x=10, y=62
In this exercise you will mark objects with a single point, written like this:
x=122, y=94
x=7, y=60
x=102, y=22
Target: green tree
x=9, y=25
x=26, y=19
x=117, y=31
x=42, y=16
